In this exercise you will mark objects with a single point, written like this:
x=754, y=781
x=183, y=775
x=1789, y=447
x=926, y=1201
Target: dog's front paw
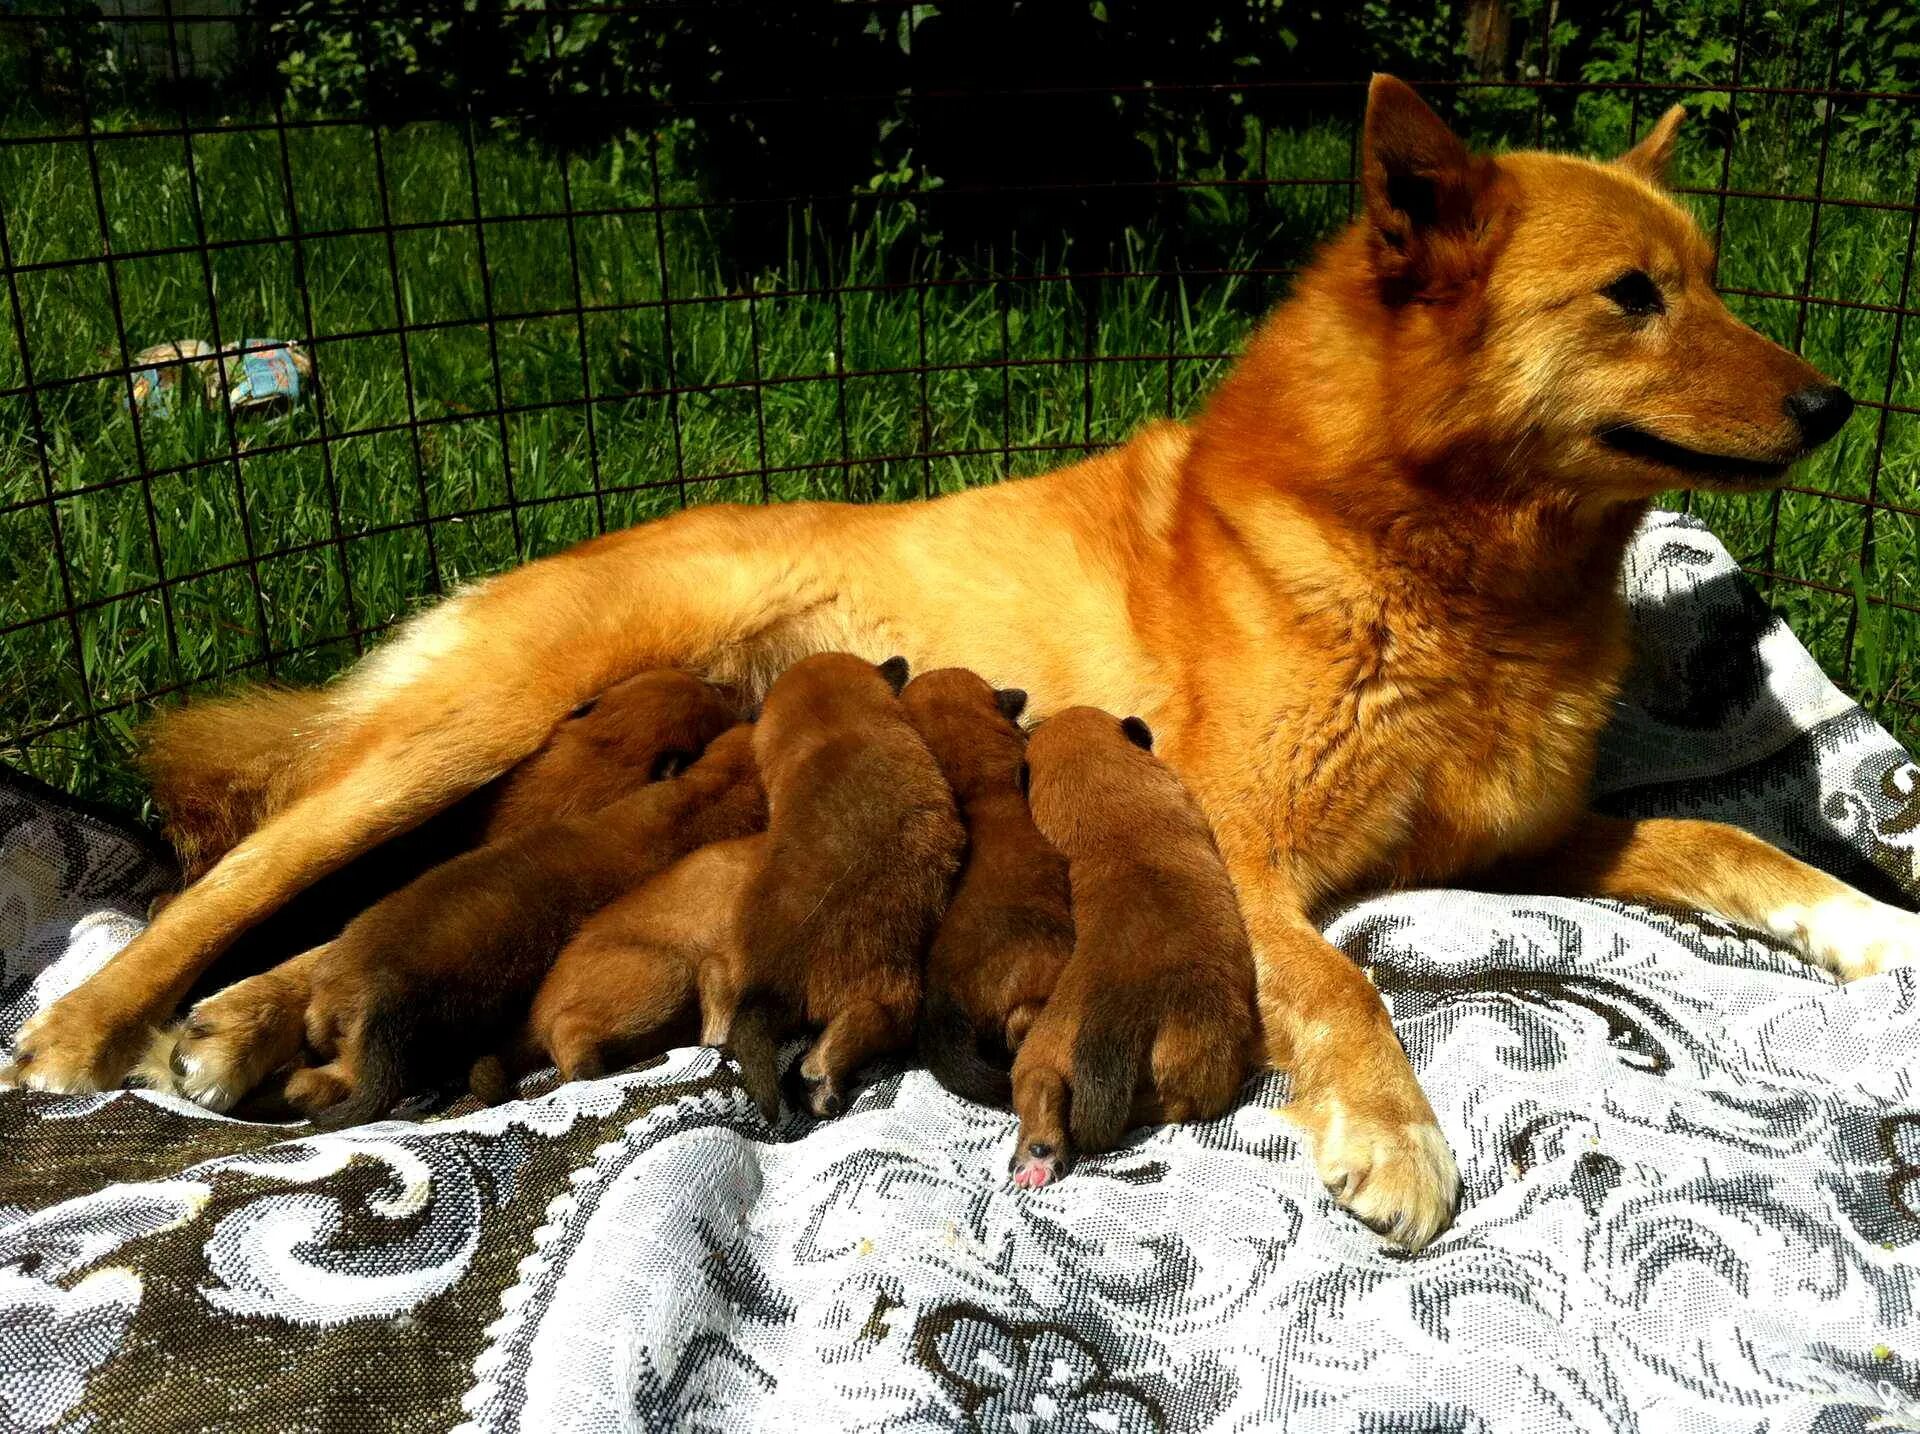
x=1852, y=935
x=1396, y=1175
x=230, y=1042
x=82, y=1042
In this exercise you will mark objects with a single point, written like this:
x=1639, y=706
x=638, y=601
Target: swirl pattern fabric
x=1692, y=1163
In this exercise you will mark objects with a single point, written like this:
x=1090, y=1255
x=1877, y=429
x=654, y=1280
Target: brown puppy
x=623, y=989
x=441, y=966
x=1153, y=1018
x=646, y=728
x=862, y=845
x=1009, y=927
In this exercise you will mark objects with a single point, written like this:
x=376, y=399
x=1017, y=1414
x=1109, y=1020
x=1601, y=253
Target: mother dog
x=1369, y=600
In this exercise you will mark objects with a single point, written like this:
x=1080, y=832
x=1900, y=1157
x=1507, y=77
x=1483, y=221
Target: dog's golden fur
x=1152, y=1018
x=1368, y=599
x=1008, y=928
x=862, y=843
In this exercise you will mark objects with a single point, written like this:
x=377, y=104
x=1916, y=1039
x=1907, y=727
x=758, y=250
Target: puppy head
x=655, y=723
x=826, y=692
x=968, y=725
x=1094, y=783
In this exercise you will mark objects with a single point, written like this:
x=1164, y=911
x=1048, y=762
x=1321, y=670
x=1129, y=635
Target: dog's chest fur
x=1395, y=742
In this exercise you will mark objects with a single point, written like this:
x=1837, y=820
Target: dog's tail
x=754, y=1041
x=220, y=767
x=951, y=1047
x=380, y=1073
x=1107, y=1056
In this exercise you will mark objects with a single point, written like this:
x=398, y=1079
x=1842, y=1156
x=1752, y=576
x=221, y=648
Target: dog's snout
x=1821, y=410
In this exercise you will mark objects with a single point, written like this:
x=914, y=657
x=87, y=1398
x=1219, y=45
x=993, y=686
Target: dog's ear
x=1011, y=701
x=671, y=763
x=1419, y=181
x=1652, y=158
x=1138, y=733
x=894, y=669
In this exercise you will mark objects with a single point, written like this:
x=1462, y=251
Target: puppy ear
x=1011, y=701
x=1138, y=733
x=1419, y=181
x=1652, y=158
x=1023, y=779
x=671, y=763
x=894, y=669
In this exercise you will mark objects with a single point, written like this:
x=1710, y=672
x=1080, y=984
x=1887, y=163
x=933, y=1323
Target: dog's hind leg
x=1042, y=1151
x=859, y=1031
x=1708, y=866
x=231, y=1041
x=463, y=693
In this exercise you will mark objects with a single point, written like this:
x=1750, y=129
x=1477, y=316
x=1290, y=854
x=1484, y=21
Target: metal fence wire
x=301, y=330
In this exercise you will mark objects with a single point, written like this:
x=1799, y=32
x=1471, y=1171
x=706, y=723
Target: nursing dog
x=626, y=987
x=1368, y=599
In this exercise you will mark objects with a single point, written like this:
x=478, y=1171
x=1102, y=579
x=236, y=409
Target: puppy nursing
x=454, y=957
x=1009, y=928
x=1153, y=1018
x=862, y=844
x=800, y=873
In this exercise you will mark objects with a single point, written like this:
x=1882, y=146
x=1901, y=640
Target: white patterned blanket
x=1693, y=1175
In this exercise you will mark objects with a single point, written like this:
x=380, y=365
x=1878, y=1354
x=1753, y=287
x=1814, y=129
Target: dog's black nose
x=1821, y=411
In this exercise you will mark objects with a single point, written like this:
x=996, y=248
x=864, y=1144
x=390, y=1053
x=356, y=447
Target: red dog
x=1368, y=600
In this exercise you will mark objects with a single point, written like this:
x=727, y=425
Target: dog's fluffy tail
x=1107, y=1056
x=754, y=1041
x=951, y=1047
x=221, y=767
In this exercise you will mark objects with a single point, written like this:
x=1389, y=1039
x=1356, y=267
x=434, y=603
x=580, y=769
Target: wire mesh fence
x=509, y=302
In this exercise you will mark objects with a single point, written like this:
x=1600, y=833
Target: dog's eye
x=1636, y=294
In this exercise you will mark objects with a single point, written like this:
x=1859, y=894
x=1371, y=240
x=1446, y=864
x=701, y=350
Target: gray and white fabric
x=1692, y=1165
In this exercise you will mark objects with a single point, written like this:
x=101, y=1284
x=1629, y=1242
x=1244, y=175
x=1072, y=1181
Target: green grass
x=332, y=530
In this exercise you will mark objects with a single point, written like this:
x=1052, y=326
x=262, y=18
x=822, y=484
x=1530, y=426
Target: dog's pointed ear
x=1652, y=158
x=894, y=669
x=1415, y=174
x=1011, y=701
x=1138, y=733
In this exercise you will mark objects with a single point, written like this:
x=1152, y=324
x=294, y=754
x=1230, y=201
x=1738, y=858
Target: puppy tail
x=1107, y=1056
x=754, y=1043
x=380, y=1072
x=950, y=1046
x=494, y=1077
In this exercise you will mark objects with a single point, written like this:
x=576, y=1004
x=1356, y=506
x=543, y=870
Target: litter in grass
x=257, y=374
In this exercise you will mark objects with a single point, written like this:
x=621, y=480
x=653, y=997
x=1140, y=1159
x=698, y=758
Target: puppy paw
x=232, y=1041
x=316, y=1089
x=824, y=1096
x=1038, y=1164
x=1397, y=1176
x=1851, y=935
